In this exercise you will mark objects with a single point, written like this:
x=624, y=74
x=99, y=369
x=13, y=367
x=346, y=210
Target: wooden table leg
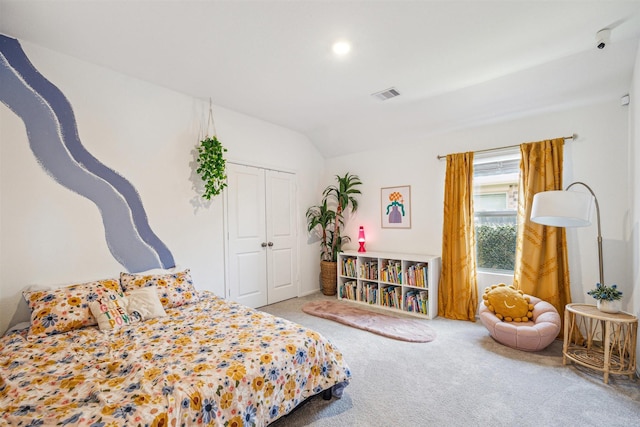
x=607, y=350
x=565, y=345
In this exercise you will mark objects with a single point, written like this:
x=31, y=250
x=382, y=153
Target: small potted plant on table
x=608, y=297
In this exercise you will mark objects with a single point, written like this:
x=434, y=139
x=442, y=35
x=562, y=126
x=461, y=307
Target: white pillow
x=144, y=301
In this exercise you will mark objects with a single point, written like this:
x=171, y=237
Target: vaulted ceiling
x=456, y=64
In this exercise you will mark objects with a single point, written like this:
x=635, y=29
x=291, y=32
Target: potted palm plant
x=327, y=220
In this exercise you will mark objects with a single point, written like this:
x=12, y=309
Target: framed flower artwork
x=395, y=207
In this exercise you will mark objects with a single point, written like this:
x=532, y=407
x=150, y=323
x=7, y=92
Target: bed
x=149, y=350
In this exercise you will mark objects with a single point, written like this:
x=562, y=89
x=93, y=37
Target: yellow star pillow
x=508, y=303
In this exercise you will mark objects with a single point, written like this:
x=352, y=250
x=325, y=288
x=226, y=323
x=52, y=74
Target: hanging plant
x=212, y=166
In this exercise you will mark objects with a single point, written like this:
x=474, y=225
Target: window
x=490, y=201
x=495, y=202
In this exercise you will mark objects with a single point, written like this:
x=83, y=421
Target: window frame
x=486, y=158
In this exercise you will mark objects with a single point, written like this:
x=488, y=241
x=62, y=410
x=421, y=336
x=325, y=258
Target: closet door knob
x=263, y=244
x=270, y=244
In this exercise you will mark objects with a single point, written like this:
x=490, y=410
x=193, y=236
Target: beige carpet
x=464, y=378
x=411, y=330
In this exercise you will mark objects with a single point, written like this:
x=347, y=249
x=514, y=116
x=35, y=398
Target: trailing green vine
x=212, y=167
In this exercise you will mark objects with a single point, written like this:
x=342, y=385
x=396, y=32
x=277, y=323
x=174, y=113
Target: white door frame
x=225, y=224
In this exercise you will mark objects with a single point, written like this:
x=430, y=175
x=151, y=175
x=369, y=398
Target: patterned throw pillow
x=174, y=289
x=63, y=309
x=111, y=313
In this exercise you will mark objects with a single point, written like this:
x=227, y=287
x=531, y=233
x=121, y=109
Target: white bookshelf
x=406, y=283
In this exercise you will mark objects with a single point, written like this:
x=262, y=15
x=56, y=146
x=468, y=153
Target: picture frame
x=395, y=207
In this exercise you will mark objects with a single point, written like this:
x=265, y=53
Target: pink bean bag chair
x=533, y=335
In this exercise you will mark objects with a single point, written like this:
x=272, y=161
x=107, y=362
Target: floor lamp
x=568, y=209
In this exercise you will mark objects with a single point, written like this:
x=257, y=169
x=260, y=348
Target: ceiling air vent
x=386, y=94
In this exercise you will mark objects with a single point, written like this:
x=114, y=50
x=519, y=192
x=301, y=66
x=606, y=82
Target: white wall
x=598, y=157
x=148, y=134
x=634, y=176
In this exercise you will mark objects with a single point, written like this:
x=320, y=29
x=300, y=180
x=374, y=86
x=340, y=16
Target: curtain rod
x=488, y=150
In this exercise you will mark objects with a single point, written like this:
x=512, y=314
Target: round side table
x=602, y=341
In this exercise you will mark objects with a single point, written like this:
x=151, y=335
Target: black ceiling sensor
x=602, y=38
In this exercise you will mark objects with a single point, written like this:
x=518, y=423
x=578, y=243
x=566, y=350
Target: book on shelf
x=349, y=290
x=417, y=301
x=349, y=267
x=368, y=270
x=417, y=275
x=392, y=272
x=391, y=296
x=370, y=292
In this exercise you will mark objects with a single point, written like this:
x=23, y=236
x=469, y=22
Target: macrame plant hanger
x=211, y=162
x=210, y=122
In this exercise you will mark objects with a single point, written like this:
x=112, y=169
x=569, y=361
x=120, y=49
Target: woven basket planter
x=328, y=277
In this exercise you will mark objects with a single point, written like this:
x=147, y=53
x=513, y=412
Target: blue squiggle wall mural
x=53, y=138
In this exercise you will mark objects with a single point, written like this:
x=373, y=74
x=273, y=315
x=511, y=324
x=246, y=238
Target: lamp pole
x=600, y=263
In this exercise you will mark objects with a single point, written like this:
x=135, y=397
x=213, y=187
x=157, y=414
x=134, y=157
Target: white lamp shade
x=562, y=208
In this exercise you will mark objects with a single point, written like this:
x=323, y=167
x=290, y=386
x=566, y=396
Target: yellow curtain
x=541, y=265
x=458, y=292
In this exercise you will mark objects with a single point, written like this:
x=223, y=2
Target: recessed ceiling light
x=341, y=48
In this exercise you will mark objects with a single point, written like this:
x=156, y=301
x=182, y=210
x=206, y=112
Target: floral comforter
x=208, y=363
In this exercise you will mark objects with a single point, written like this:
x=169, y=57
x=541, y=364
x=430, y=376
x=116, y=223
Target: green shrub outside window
x=495, y=197
x=496, y=246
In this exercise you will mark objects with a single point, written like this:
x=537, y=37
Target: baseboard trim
x=308, y=293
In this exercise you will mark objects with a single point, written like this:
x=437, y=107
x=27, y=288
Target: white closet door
x=247, y=235
x=262, y=246
x=282, y=257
